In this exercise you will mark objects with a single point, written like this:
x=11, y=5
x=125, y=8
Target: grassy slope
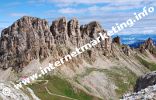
x=60, y=87
x=123, y=78
x=149, y=65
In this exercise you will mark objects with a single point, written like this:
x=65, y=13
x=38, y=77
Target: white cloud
x=93, y=10
x=18, y=14
x=36, y=1
x=103, y=13
x=107, y=20
x=113, y=3
x=95, y=1
x=97, y=10
x=148, y=31
x=118, y=4
x=71, y=11
x=77, y=1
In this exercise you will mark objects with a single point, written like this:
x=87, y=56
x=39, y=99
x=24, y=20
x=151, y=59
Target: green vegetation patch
x=149, y=65
x=60, y=87
x=123, y=78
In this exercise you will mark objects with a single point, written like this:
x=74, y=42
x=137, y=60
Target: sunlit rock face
x=28, y=38
x=31, y=38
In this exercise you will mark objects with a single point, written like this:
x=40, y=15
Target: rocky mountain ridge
x=31, y=38
x=104, y=72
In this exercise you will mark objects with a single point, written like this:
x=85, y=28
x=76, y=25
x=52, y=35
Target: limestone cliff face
x=74, y=32
x=28, y=38
x=59, y=30
x=31, y=38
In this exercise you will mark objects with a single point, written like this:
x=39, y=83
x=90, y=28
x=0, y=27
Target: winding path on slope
x=46, y=82
x=59, y=95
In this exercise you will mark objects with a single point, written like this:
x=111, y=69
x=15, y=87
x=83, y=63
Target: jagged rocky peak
x=74, y=32
x=34, y=22
x=64, y=31
x=116, y=40
x=59, y=30
x=31, y=38
x=146, y=80
x=90, y=31
x=148, y=45
x=91, y=28
x=74, y=28
x=28, y=38
x=125, y=48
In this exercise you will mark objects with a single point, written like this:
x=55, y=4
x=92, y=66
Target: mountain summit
x=31, y=38
x=105, y=71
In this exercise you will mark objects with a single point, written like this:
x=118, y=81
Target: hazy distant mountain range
x=134, y=40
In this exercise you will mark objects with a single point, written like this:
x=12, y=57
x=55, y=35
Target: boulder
x=145, y=81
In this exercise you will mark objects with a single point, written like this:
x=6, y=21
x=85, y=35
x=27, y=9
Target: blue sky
x=107, y=12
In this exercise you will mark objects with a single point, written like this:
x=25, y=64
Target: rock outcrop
x=8, y=92
x=27, y=39
x=31, y=38
x=145, y=81
x=148, y=45
x=148, y=93
x=74, y=32
x=88, y=32
x=59, y=30
x=116, y=40
x=145, y=88
x=126, y=50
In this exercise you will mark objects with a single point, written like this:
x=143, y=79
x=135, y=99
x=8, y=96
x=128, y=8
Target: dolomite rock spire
x=31, y=38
